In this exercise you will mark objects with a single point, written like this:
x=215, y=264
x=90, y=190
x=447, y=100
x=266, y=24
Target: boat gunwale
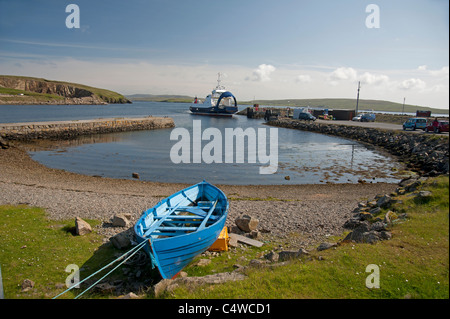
x=202, y=218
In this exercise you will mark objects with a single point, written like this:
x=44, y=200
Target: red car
x=440, y=126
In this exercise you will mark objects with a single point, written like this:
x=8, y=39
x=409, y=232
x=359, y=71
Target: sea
x=302, y=157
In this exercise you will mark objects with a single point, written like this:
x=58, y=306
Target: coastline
x=296, y=215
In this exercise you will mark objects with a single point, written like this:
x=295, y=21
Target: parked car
x=357, y=118
x=415, y=123
x=368, y=117
x=442, y=126
x=306, y=116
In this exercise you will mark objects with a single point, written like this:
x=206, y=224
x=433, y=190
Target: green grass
x=41, y=96
x=413, y=264
x=32, y=247
x=106, y=95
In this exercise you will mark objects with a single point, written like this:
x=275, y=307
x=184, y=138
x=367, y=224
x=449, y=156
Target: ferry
x=219, y=103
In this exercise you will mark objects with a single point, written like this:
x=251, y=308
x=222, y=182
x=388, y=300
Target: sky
x=264, y=49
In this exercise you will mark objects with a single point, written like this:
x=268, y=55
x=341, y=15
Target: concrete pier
x=71, y=129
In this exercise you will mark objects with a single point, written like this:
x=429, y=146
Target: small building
x=340, y=115
x=423, y=113
x=343, y=115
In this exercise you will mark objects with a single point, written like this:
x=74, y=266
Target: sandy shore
x=295, y=215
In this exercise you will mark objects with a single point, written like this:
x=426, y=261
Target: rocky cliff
x=26, y=90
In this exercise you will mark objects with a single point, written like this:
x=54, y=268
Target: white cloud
x=343, y=74
x=303, y=78
x=412, y=84
x=438, y=88
x=441, y=72
x=374, y=79
x=444, y=71
x=262, y=73
x=351, y=75
x=422, y=68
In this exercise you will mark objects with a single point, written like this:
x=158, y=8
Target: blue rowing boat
x=182, y=226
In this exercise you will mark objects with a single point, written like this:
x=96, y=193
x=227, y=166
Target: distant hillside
x=28, y=90
x=376, y=105
x=160, y=98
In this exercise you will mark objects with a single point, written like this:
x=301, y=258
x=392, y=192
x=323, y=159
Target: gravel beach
x=294, y=215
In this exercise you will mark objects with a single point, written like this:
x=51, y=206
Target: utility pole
x=357, y=98
x=403, y=108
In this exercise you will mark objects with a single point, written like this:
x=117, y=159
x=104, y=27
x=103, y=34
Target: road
x=387, y=126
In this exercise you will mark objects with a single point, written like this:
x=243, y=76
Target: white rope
x=135, y=249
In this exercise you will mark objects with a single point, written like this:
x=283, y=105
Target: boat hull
x=170, y=254
x=211, y=111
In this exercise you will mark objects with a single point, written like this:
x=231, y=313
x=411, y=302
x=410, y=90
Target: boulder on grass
x=82, y=227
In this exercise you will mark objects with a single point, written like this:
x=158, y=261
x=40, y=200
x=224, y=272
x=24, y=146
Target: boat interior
x=182, y=214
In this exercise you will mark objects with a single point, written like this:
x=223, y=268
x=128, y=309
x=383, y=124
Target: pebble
x=303, y=215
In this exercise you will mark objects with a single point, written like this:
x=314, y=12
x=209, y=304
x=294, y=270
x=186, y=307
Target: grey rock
x=236, y=230
x=362, y=204
x=27, y=285
x=129, y=295
x=121, y=220
x=425, y=194
x=353, y=223
x=384, y=201
x=375, y=211
x=4, y=144
x=257, y=263
x=406, y=181
x=303, y=251
x=247, y=223
x=413, y=186
x=203, y=262
x=82, y=227
x=233, y=241
x=365, y=216
x=272, y=256
x=385, y=235
x=370, y=237
x=378, y=226
x=161, y=287
x=324, y=246
x=357, y=234
x=120, y=241
x=105, y=287
x=287, y=255
x=167, y=285
x=254, y=234
x=372, y=203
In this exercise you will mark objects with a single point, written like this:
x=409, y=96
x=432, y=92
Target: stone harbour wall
x=72, y=129
x=425, y=153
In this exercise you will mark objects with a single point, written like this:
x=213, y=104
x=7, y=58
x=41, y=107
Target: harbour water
x=303, y=157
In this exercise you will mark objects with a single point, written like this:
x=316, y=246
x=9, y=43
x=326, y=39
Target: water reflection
x=58, y=145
